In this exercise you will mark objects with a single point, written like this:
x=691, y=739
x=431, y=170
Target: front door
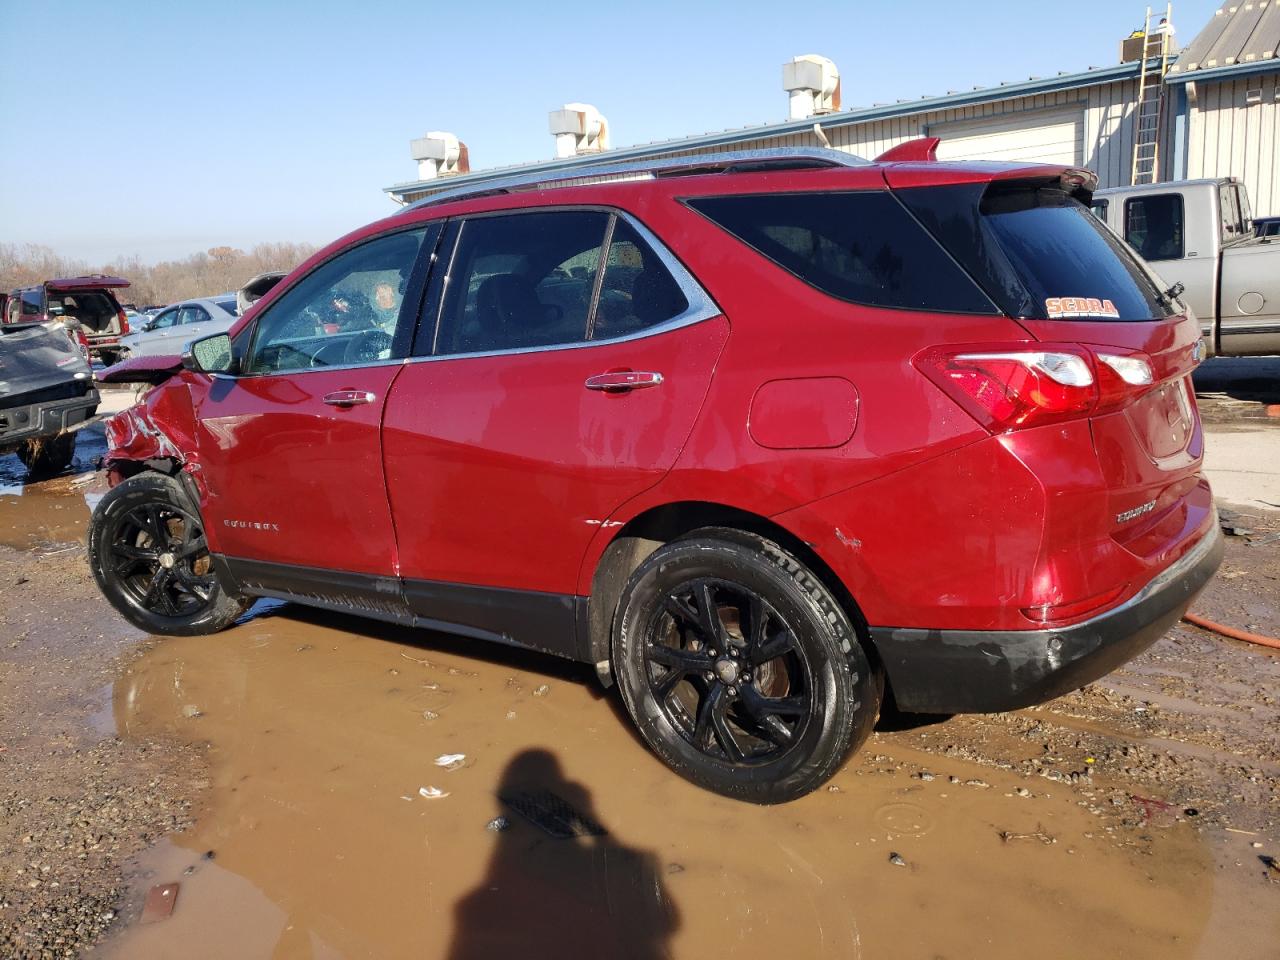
x=553, y=384
x=290, y=448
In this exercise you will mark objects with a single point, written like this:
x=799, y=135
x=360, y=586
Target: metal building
x=1218, y=106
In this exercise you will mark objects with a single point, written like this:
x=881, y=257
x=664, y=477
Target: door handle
x=348, y=398
x=621, y=381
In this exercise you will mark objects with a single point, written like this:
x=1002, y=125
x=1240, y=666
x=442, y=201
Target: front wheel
x=740, y=669
x=149, y=555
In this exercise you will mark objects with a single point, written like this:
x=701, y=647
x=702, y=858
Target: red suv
x=766, y=438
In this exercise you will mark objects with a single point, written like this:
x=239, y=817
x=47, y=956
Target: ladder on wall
x=1150, y=110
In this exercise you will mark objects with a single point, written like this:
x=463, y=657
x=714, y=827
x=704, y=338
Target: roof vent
x=439, y=155
x=578, y=128
x=814, y=85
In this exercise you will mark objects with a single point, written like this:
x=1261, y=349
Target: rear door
x=290, y=449
x=558, y=374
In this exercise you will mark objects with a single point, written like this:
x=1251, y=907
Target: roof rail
x=736, y=161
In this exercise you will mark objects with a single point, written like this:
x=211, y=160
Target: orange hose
x=1232, y=632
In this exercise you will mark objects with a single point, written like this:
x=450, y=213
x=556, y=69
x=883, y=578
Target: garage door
x=1036, y=137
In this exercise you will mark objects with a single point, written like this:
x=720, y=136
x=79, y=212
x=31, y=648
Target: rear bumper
x=22, y=423
x=974, y=671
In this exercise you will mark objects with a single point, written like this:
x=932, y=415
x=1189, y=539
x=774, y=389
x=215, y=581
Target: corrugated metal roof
x=1236, y=36
x=726, y=138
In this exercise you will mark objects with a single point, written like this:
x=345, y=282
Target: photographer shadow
x=557, y=884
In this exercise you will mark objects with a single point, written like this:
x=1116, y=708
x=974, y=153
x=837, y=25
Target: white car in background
x=178, y=323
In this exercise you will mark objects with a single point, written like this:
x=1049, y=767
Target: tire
x=787, y=694
x=49, y=456
x=167, y=589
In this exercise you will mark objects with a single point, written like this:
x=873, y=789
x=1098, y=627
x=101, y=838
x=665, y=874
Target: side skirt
x=533, y=620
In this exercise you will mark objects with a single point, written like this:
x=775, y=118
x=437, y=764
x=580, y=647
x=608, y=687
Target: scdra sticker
x=1056, y=307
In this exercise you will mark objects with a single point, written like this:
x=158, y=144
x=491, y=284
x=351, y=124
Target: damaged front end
x=158, y=432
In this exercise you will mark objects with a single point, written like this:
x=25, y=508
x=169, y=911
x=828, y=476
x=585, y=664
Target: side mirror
x=148, y=325
x=210, y=355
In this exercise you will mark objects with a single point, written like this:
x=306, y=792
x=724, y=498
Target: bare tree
x=221, y=269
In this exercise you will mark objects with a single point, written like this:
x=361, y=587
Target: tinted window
x=228, y=305
x=519, y=281
x=1153, y=226
x=636, y=291
x=1031, y=246
x=1099, y=208
x=860, y=247
x=344, y=312
x=31, y=305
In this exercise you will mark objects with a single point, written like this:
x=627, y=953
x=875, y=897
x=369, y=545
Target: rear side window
x=1153, y=226
x=862, y=247
x=520, y=281
x=1037, y=251
x=229, y=305
x=636, y=291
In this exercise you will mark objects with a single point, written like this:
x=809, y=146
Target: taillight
x=1120, y=378
x=1004, y=389
x=124, y=320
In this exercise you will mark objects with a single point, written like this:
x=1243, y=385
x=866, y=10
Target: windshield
x=1038, y=251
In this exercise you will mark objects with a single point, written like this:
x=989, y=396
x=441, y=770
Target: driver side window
x=344, y=312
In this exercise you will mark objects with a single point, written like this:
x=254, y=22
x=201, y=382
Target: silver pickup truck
x=1199, y=233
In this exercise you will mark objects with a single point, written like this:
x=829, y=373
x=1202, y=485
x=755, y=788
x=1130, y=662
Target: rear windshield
x=229, y=305
x=863, y=247
x=1038, y=252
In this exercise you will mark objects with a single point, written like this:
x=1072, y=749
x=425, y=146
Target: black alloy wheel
x=727, y=671
x=740, y=669
x=150, y=557
x=159, y=554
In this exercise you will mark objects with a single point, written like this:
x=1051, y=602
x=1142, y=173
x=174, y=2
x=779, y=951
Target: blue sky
x=162, y=129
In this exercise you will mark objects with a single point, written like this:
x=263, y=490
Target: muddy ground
x=285, y=775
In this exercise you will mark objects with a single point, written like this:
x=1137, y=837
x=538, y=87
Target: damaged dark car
x=46, y=394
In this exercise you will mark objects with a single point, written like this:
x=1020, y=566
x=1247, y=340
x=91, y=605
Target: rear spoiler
x=143, y=369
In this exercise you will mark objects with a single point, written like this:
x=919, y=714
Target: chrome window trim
x=700, y=305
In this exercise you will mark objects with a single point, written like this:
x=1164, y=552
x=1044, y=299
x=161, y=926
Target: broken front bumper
x=975, y=671
x=32, y=421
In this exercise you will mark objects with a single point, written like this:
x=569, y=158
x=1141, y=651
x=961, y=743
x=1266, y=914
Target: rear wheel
x=149, y=555
x=740, y=669
x=49, y=456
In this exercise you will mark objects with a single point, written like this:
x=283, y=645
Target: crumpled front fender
x=157, y=433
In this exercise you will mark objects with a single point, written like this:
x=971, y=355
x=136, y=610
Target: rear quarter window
x=1038, y=251
x=862, y=247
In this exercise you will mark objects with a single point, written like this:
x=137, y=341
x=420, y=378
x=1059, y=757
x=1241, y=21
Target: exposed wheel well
x=651, y=529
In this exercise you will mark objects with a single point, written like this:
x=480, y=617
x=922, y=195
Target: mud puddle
x=54, y=511
x=329, y=830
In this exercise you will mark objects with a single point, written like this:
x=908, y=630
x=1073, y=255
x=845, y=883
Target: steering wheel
x=367, y=347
